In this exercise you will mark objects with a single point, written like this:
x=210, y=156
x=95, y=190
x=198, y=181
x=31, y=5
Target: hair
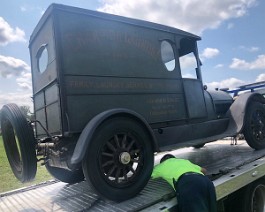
x=165, y=157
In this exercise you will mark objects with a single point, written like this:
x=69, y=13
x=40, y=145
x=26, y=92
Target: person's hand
x=204, y=171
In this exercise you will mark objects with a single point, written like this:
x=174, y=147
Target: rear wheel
x=66, y=176
x=19, y=143
x=254, y=129
x=119, y=161
x=251, y=198
x=254, y=197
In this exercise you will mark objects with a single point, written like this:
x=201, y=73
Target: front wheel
x=254, y=129
x=119, y=161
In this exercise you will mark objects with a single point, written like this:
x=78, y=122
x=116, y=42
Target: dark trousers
x=195, y=193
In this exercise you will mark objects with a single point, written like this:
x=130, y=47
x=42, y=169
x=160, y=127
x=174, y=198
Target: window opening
x=42, y=58
x=168, y=56
x=188, y=66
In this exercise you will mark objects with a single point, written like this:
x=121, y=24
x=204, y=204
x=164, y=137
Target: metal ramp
x=58, y=196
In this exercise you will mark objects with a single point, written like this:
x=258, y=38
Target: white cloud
x=260, y=78
x=250, y=49
x=209, y=53
x=23, y=8
x=219, y=66
x=190, y=15
x=228, y=83
x=188, y=75
x=24, y=82
x=230, y=26
x=10, y=66
x=9, y=34
x=29, y=8
x=239, y=64
x=254, y=49
x=19, y=98
x=232, y=83
x=187, y=62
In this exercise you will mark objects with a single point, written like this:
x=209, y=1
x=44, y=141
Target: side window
x=188, y=66
x=42, y=58
x=167, y=55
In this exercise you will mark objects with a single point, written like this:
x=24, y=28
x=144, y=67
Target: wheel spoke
x=135, y=160
x=134, y=151
x=116, y=139
x=117, y=175
x=261, y=135
x=131, y=169
x=108, y=163
x=110, y=146
x=138, y=160
x=123, y=142
x=111, y=171
x=130, y=145
x=125, y=174
x=107, y=154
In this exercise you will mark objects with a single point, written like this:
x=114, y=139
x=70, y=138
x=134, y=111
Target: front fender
x=87, y=133
x=236, y=112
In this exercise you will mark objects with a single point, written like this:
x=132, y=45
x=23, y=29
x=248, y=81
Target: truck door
x=191, y=78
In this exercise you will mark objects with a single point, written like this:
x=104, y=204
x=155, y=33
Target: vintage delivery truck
x=111, y=91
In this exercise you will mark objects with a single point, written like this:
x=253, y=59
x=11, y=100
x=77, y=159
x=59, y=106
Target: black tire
x=19, y=143
x=66, y=176
x=119, y=160
x=254, y=197
x=250, y=198
x=254, y=126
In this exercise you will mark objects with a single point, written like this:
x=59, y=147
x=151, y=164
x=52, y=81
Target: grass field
x=7, y=179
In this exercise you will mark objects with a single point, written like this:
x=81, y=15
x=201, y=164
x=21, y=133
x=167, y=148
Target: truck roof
x=136, y=22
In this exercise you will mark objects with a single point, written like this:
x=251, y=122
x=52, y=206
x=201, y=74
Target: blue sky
x=232, y=48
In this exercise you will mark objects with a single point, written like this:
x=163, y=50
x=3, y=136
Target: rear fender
x=87, y=133
x=237, y=111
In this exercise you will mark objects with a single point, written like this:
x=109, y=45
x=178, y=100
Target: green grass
x=7, y=179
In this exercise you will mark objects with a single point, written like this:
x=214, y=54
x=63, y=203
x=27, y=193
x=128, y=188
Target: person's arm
x=156, y=172
x=203, y=170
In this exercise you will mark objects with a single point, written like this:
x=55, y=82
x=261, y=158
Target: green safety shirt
x=173, y=168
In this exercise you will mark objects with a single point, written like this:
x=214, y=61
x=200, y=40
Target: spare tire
x=19, y=143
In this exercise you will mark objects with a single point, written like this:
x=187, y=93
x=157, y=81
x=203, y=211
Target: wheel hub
x=125, y=158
